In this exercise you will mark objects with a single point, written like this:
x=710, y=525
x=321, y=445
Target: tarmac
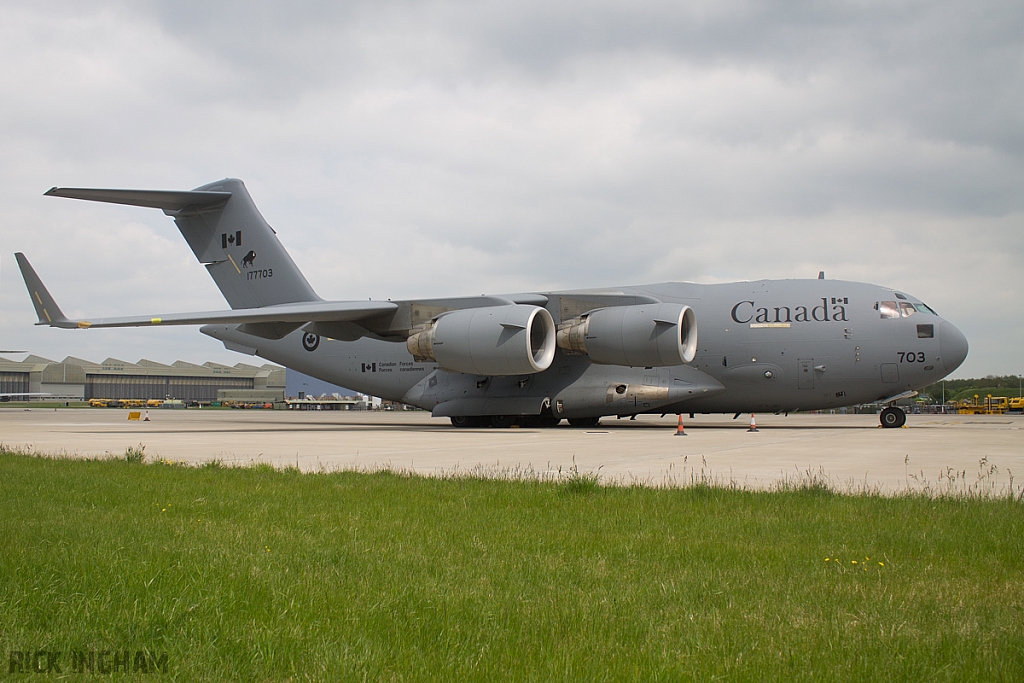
x=933, y=453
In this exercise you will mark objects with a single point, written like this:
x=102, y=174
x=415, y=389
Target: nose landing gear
x=892, y=417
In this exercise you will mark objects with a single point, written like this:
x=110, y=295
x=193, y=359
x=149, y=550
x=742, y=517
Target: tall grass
x=260, y=574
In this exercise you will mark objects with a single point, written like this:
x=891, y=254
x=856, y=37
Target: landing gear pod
x=648, y=335
x=494, y=340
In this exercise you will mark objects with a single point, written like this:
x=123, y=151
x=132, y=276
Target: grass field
x=262, y=575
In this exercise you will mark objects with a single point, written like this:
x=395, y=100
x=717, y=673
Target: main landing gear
x=892, y=417
x=584, y=421
x=496, y=421
x=468, y=421
x=506, y=421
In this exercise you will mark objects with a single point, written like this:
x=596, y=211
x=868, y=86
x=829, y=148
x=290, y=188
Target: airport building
x=309, y=393
x=77, y=379
x=302, y=385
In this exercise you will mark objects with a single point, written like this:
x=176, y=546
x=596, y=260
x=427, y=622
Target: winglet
x=46, y=308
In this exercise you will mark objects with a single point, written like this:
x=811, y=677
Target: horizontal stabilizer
x=168, y=200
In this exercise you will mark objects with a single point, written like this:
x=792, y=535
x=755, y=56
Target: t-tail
x=227, y=234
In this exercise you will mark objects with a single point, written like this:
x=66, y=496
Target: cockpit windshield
x=901, y=309
x=888, y=309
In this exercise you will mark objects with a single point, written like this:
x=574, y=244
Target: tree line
x=960, y=389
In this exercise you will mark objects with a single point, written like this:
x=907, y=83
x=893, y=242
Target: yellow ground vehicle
x=1016, y=405
x=122, y=403
x=990, y=405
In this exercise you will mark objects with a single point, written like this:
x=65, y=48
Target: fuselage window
x=924, y=308
x=926, y=331
x=888, y=309
x=907, y=309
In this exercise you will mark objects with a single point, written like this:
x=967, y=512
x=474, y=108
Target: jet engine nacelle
x=493, y=340
x=647, y=335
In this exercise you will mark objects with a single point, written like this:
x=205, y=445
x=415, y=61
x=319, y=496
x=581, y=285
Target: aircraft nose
x=953, y=344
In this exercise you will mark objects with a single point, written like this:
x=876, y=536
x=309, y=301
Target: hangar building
x=77, y=379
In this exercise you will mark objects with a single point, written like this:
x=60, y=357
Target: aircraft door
x=805, y=373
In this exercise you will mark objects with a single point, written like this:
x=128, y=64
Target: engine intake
x=493, y=340
x=647, y=335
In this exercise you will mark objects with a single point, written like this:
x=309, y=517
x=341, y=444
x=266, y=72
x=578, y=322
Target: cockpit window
x=901, y=309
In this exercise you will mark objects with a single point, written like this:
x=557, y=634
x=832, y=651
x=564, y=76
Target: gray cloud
x=422, y=148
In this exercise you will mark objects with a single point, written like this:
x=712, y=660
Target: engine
x=493, y=340
x=647, y=335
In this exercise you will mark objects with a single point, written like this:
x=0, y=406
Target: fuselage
x=767, y=345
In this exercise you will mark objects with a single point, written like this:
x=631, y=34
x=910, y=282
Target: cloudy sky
x=438, y=148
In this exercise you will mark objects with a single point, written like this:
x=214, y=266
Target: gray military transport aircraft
x=535, y=358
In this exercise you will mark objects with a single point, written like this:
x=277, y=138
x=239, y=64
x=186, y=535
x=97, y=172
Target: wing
x=49, y=312
x=346, y=320
x=325, y=311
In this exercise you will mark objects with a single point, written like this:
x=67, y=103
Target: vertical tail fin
x=241, y=251
x=227, y=234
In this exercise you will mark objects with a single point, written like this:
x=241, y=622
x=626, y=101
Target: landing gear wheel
x=540, y=421
x=584, y=421
x=466, y=421
x=502, y=421
x=892, y=417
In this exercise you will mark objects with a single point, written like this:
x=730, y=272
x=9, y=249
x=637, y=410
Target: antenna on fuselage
x=821, y=274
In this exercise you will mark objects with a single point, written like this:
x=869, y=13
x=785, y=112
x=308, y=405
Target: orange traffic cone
x=146, y=419
x=753, y=425
x=679, y=429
